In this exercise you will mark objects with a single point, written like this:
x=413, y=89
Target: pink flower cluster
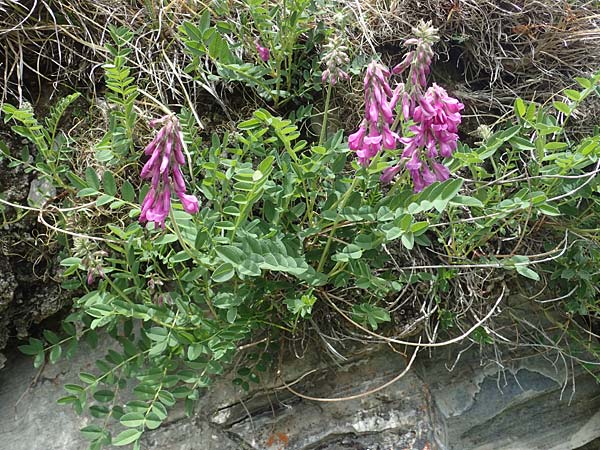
x=435, y=134
x=374, y=132
x=164, y=170
x=435, y=114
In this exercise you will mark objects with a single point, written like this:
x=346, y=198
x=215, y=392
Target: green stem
x=325, y=114
x=180, y=238
x=335, y=225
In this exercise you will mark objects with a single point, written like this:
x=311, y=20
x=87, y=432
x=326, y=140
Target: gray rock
x=529, y=404
x=473, y=407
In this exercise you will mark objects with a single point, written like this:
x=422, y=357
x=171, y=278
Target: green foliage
x=52, y=145
x=121, y=95
x=286, y=29
x=576, y=277
x=369, y=314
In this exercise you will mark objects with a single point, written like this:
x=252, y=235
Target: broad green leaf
x=204, y=21
x=67, y=400
x=73, y=388
x=448, y=192
x=104, y=199
x=91, y=432
x=527, y=272
x=351, y=251
x=562, y=107
x=152, y=421
x=408, y=240
x=573, y=94
x=462, y=200
x=226, y=300
x=160, y=411
x=231, y=254
x=92, y=178
x=549, y=210
x=109, y=183
x=66, y=262
x=181, y=256
x=166, y=239
x=231, y=315
x=223, y=273
x=132, y=419
x=55, y=354
x=127, y=192
x=366, y=241
x=520, y=107
x=157, y=334
x=584, y=82
x=126, y=437
x=166, y=398
x=34, y=347
x=104, y=395
x=87, y=377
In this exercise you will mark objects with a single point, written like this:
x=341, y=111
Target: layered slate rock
x=528, y=403
x=475, y=406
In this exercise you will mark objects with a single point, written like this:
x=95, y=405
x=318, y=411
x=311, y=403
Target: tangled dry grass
x=498, y=49
x=64, y=43
x=492, y=50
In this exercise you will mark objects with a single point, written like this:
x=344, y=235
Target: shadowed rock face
x=474, y=407
x=28, y=295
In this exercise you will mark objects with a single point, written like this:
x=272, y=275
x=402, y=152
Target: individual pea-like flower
x=375, y=132
x=334, y=58
x=93, y=272
x=94, y=262
x=164, y=170
x=263, y=52
x=389, y=173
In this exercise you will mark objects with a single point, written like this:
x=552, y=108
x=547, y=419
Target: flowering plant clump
x=290, y=239
x=434, y=114
x=164, y=170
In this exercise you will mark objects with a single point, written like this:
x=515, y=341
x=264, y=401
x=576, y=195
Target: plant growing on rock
x=277, y=230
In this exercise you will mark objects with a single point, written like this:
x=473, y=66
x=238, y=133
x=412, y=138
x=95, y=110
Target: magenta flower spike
x=437, y=117
x=164, y=170
x=375, y=132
